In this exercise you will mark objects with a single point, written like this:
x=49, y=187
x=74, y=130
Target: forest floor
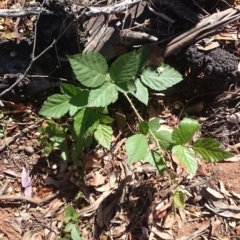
x=35, y=190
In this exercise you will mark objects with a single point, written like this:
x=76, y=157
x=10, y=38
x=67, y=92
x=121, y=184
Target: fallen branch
x=29, y=199
x=113, y=8
x=205, y=28
x=23, y=12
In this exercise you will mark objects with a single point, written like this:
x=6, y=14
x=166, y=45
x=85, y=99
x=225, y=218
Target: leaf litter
x=117, y=200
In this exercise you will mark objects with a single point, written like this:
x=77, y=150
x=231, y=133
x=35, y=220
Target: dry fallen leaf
x=214, y=193
x=215, y=226
x=97, y=179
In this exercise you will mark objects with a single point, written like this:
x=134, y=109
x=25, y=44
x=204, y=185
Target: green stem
x=156, y=140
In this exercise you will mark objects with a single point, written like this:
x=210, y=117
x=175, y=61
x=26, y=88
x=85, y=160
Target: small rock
x=29, y=149
x=21, y=147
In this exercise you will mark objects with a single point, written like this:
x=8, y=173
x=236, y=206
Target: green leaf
x=124, y=68
x=154, y=125
x=186, y=157
x=64, y=150
x=80, y=99
x=73, y=110
x=75, y=233
x=185, y=131
x=160, y=81
x=178, y=200
x=142, y=92
x=55, y=106
x=103, y=135
x=125, y=87
x=68, y=227
x=105, y=119
x=155, y=159
x=69, y=89
x=90, y=68
x=85, y=122
x=209, y=149
x=143, y=127
x=69, y=211
x=136, y=147
x=164, y=139
x=47, y=149
x=141, y=58
x=103, y=96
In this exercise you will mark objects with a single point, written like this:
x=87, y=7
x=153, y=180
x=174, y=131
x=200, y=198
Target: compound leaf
x=185, y=131
x=103, y=135
x=103, y=96
x=136, y=147
x=162, y=79
x=90, y=68
x=186, y=157
x=56, y=106
x=209, y=149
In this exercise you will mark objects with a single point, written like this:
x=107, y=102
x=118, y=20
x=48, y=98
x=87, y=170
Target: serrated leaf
x=75, y=233
x=142, y=92
x=103, y=96
x=155, y=159
x=143, y=127
x=209, y=149
x=103, y=135
x=185, y=131
x=55, y=106
x=186, y=157
x=160, y=81
x=85, y=122
x=80, y=99
x=69, y=89
x=136, y=147
x=141, y=58
x=73, y=110
x=125, y=87
x=154, y=124
x=90, y=68
x=124, y=68
x=164, y=139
